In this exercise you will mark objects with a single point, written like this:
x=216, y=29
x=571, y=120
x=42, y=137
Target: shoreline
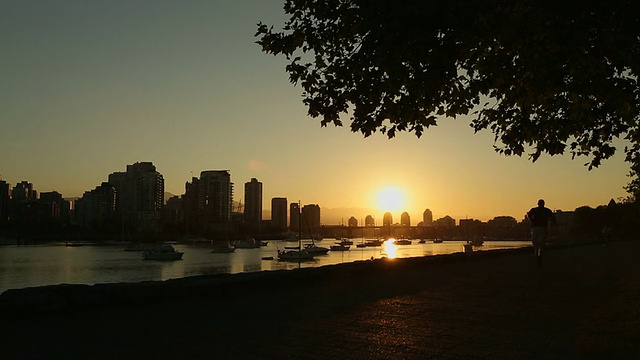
x=73, y=297
x=487, y=305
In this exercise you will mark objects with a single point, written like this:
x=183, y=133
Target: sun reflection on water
x=390, y=248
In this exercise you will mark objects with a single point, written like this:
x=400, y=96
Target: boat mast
x=299, y=228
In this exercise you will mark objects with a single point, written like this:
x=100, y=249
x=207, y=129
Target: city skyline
x=336, y=216
x=90, y=87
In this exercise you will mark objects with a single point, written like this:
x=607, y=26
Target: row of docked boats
x=227, y=247
x=290, y=253
x=302, y=253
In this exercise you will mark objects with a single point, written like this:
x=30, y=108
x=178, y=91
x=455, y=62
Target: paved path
x=584, y=304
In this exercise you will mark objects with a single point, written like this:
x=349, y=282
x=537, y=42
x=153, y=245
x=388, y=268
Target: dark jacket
x=541, y=216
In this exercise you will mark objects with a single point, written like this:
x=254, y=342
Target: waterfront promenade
x=584, y=304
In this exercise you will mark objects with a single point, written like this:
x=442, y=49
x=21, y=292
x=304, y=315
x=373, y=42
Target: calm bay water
x=29, y=266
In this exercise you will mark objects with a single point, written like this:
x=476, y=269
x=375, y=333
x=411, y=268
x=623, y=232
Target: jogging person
x=540, y=217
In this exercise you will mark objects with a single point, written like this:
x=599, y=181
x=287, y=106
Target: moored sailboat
x=295, y=253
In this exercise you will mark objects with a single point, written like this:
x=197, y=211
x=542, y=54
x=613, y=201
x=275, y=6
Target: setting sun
x=390, y=198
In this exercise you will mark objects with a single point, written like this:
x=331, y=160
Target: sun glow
x=390, y=248
x=390, y=198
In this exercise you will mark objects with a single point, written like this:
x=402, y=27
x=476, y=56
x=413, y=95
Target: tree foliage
x=544, y=77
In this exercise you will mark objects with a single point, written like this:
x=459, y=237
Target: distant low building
x=446, y=221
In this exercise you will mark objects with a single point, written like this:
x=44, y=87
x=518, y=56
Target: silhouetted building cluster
x=21, y=205
x=96, y=209
x=208, y=202
x=132, y=202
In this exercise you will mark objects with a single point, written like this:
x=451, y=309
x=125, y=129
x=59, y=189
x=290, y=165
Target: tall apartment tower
x=427, y=218
x=4, y=201
x=405, y=220
x=23, y=191
x=22, y=196
x=215, y=196
x=253, y=203
x=54, y=207
x=150, y=199
x=279, y=213
x=119, y=182
x=387, y=219
x=139, y=195
x=369, y=221
x=310, y=217
x=96, y=208
x=190, y=206
x=294, y=216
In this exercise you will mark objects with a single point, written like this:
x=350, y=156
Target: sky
x=88, y=87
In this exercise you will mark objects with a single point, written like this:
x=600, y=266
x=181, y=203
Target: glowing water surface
x=28, y=266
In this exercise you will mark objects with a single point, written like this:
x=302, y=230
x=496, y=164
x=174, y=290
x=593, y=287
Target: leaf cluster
x=543, y=76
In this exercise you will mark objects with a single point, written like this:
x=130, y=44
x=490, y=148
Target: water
x=29, y=266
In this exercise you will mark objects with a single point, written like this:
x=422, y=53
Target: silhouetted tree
x=551, y=77
x=588, y=222
x=633, y=187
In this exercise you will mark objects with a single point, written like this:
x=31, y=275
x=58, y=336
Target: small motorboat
x=223, y=249
x=340, y=247
x=164, y=252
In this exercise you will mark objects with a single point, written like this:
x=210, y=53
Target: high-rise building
x=172, y=211
x=215, y=197
x=427, y=218
x=369, y=221
x=23, y=206
x=311, y=217
x=405, y=220
x=353, y=222
x=387, y=219
x=253, y=203
x=123, y=192
x=294, y=216
x=55, y=208
x=279, y=213
x=190, y=204
x=4, y=201
x=150, y=192
x=139, y=195
x=23, y=191
x=96, y=209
